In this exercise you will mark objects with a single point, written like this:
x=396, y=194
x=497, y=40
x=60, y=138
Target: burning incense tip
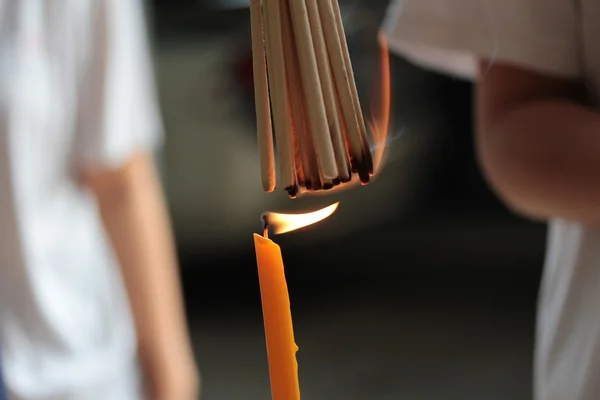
x=364, y=177
x=293, y=192
x=283, y=223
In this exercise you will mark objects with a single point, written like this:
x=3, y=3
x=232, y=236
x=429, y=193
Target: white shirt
x=75, y=91
x=557, y=37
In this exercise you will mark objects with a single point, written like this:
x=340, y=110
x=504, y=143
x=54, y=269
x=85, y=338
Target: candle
x=279, y=331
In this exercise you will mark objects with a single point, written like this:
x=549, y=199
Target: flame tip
x=284, y=223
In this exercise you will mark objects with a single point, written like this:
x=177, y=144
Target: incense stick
x=315, y=107
x=342, y=78
x=343, y=128
x=353, y=90
x=308, y=146
x=294, y=96
x=324, y=68
x=306, y=93
x=278, y=88
x=261, y=98
x=306, y=162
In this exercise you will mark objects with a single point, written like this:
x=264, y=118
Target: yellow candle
x=279, y=331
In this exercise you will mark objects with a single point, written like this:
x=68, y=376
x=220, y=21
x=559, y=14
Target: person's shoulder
x=453, y=35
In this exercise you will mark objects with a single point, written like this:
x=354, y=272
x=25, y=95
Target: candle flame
x=283, y=223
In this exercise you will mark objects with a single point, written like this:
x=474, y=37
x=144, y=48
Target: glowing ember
x=283, y=223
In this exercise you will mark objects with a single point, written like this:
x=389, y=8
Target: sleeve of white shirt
x=118, y=111
x=451, y=36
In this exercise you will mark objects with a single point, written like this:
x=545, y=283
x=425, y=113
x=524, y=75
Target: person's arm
x=538, y=144
x=135, y=217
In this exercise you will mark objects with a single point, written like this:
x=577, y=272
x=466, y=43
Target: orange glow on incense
x=381, y=120
x=279, y=331
x=378, y=123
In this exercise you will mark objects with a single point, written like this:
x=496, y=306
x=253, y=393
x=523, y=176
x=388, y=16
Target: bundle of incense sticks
x=305, y=92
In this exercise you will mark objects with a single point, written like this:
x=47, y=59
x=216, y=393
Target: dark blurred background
x=421, y=286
